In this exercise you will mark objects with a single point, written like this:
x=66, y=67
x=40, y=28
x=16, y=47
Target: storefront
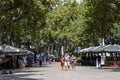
x=110, y=55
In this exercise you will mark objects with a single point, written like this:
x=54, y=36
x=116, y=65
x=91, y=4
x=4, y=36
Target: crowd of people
x=68, y=61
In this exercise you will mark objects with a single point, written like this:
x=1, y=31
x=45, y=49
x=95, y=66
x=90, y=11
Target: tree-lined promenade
x=59, y=22
x=51, y=27
x=53, y=72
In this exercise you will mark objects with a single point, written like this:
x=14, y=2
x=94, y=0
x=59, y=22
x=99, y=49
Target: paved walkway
x=53, y=72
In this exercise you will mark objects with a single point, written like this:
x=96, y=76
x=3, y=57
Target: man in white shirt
x=67, y=61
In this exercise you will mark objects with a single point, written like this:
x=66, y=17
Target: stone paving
x=53, y=72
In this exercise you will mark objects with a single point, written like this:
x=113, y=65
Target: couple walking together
x=67, y=61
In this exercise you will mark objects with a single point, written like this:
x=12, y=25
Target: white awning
x=8, y=48
x=111, y=48
x=107, y=48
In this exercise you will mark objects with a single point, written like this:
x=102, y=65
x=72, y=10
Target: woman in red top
x=62, y=62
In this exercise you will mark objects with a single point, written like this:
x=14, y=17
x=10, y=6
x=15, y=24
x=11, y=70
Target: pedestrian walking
x=62, y=62
x=67, y=61
x=50, y=59
x=40, y=60
x=98, y=61
x=73, y=62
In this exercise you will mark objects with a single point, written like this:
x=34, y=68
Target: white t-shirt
x=67, y=58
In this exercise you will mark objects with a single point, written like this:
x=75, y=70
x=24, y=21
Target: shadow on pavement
x=25, y=74
x=43, y=65
x=18, y=77
x=111, y=69
x=27, y=70
x=104, y=68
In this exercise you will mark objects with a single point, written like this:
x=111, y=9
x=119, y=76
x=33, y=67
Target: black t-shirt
x=99, y=58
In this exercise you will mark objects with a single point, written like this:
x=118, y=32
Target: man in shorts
x=67, y=61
